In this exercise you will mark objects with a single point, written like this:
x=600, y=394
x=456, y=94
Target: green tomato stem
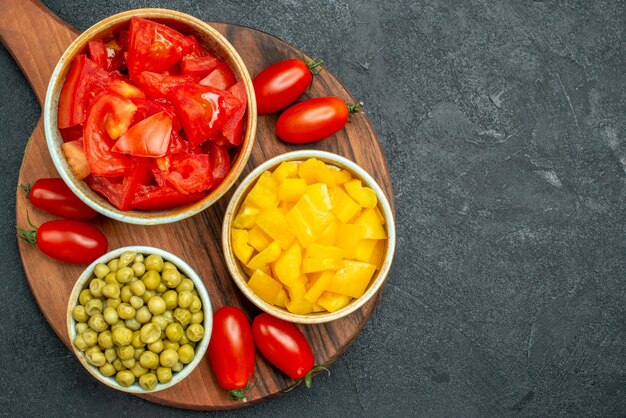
x=315, y=65
x=26, y=187
x=355, y=108
x=239, y=393
x=28, y=235
x=308, y=378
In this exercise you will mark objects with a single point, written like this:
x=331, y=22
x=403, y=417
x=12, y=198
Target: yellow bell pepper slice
x=343, y=207
x=245, y=217
x=239, y=240
x=264, y=194
x=290, y=190
x=318, y=193
x=282, y=299
x=289, y=264
x=342, y=176
x=312, y=265
x=320, y=285
x=329, y=236
x=364, y=196
x=268, y=255
x=316, y=171
x=265, y=286
x=258, y=239
x=348, y=236
x=324, y=251
x=274, y=224
x=299, y=307
x=373, y=228
x=332, y=302
x=352, y=279
x=286, y=169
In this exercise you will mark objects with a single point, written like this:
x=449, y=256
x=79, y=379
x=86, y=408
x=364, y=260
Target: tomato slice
x=221, y=77
x=158, y=86
x=140, y=176
x=220, y=161
x=190, y=173
x=194, y=47
x=233, y=127
x=202, y=110
x=199, y=65
x=97, y=53
x=72, y=133
x=109, y=187
x=125, y=89
x=147, y=108
x=109, y=118
x=83, y=82
x=148, y=138
x=153, y=47
x=162, y=197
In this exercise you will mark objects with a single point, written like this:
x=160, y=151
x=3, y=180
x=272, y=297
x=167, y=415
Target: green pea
x=167, y=344
x=148, y=381
x=95, y=286
x=117, y=363
x=110, y=354
x=138, y=288
x=183, y=340
x=177, y=367
x=84, y=296
x=149, y=360
x=111, y=278
x=160, y=320
x=90, y=337
x=125, y=352
x=161, y=288
x=156, y=347
x=138, y=352
x=196, y=305
x=96, y=359
x=143, y=315
x=126, y=259
x=168, y=357
x=105, y=340
x=139, y=269
x=93, y=307
x=151, y=279
x=80, y=314
x=80, y=327
x=147, y=295
x=154, y=262
x=136, y=302
x=195, y=332
x=129, y=363
x=101, y=270
x=164, y=374
x=150, y=333
x=107, y=370
x=113, y=303
x=137, y=342
x=126, y=294
x=139, y=258
x=113, y=265
x=119, y=324
x=133, y=324
x=138, y=370
x=124, y=274
x=172, y=278
x=125, y=311
x=156, y=305
x=111, y=291
x=197, y=317
x=182, y=315
x=171, y=299
x=185, y=284
x=122, y=336
x=186, y=354
x=79, y=342
x=174, y=332
x=167, y=265
x=125, y=378
x=110, y=315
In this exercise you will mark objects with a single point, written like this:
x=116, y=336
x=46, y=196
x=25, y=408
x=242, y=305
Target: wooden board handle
x=36, y=38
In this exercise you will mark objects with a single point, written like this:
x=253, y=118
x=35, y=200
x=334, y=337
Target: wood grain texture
x=196, y=240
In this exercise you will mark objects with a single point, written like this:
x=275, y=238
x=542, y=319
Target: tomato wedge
x=157, y=86
x=153, y=47
x=109, y=117
x=221, y=77
x=233, y=127
x=220, y=160
x=162, y=198
x=190, y=173
x=202, y=110
x=97, y=53
x=84, y=81
x=148, y=138
x=199, y=65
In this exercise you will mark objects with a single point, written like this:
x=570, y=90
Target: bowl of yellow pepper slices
x=309, y=236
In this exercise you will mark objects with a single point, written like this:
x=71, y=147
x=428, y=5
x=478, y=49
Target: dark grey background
x=504, y=127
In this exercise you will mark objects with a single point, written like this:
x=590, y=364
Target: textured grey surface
x=504, y=127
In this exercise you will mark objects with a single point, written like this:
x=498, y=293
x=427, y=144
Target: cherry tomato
x=53, y=196
x=314, y=119
x=283, y=345
x=231, y=350
x=72, y=242
x=280, y=84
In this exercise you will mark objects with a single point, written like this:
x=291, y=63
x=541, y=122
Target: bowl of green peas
x=139, y=319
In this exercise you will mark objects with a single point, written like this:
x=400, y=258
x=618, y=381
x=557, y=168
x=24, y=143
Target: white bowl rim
x=200, y=349
x=51, y=129
x=374, y=287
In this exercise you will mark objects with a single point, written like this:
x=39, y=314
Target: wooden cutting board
x=37, y=38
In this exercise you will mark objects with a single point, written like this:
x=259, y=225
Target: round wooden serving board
x=37, y=38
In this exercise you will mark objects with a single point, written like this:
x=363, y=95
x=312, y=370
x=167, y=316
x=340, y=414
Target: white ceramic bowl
x=241, y=278
x=208, y=37
x=201, y=347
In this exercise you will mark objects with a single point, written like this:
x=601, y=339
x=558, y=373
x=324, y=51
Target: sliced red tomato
x=148, y=138
x=190, y=173
x=97, y=53
x=153, y=47
x=114, y=55
x=109, y=118
x=147, y=108
x=220, y=160
x=162, y=198
x=233, y=127
x=72, y=133
x=84, y=81
x=125, y=89
x=194, y=47
x=221, y=77
x=158, y=86
x=140, y=176
x=109, y=187
x=202, y=110
x=199, y=66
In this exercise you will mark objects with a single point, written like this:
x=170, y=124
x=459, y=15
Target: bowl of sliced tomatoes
x=150, y=116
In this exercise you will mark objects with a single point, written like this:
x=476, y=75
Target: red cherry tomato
x=280, y=84
x=72, y=242
x=231, y=350
x=53, y=196
x=283, y=345
x=314, y=119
